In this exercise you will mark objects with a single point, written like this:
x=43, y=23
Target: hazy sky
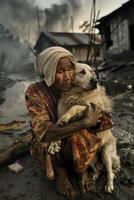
x=20, y=16
x=105, y=6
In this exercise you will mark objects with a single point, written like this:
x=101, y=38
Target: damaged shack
x=77, y=43
x=117, y=31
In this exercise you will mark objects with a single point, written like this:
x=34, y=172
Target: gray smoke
x=16, y=18
x=76, y=4
x=17, y=10
x=18, y=15
x=55, y=14
x=13, y=54
x=58, y=17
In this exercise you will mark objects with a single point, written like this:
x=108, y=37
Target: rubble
x=16, y=167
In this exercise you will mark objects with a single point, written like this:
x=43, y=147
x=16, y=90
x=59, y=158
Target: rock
x=127, y=175
x=130, y=157
x=123, y=153
x=127, y=156
x=129, y=87
x=132, y=181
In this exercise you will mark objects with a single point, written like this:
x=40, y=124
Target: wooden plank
x=17, y=149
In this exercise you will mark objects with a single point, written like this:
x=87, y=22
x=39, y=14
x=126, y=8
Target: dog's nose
x=93, y=82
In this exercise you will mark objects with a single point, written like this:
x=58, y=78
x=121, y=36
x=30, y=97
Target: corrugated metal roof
x=71, y=39
x=64, y=39
x=83, y=37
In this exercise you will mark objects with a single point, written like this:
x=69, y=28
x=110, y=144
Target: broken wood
x=14, y=125
x=118, y=67
x=18, y=148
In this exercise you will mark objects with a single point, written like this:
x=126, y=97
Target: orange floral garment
x=42, y=107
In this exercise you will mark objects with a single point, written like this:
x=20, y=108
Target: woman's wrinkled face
x=64, y=74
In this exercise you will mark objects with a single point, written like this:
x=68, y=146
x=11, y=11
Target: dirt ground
x=31, y=182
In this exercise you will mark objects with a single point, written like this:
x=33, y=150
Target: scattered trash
x=15, y=167
x=129, y=87
x=115, y=81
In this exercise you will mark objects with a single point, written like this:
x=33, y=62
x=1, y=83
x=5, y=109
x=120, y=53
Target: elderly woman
x=55, y=66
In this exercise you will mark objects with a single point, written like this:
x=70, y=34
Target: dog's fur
x=74, y=102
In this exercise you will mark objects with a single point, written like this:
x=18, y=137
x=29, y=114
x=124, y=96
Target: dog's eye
x=82, y=72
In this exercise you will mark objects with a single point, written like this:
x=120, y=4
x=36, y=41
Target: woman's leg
x=63, y=183
x=66, y=158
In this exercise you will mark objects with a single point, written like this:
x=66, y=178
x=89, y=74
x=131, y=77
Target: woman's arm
x=43, y=128
x=90, y=119
x=57, y=133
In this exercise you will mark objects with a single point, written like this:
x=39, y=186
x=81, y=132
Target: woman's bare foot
x=86, y=182
x=63, y=184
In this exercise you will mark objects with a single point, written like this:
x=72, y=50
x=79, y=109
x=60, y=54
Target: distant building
x=117, y=30
x=77, y=43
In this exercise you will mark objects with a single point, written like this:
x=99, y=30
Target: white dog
x=73, y=103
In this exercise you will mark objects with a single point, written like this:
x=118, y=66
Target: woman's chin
x=65, y=87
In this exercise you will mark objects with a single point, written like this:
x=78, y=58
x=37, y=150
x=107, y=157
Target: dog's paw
x=64, y=120
x=109, y=188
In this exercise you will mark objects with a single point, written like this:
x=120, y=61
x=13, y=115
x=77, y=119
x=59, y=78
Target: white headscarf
x=47, y=60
